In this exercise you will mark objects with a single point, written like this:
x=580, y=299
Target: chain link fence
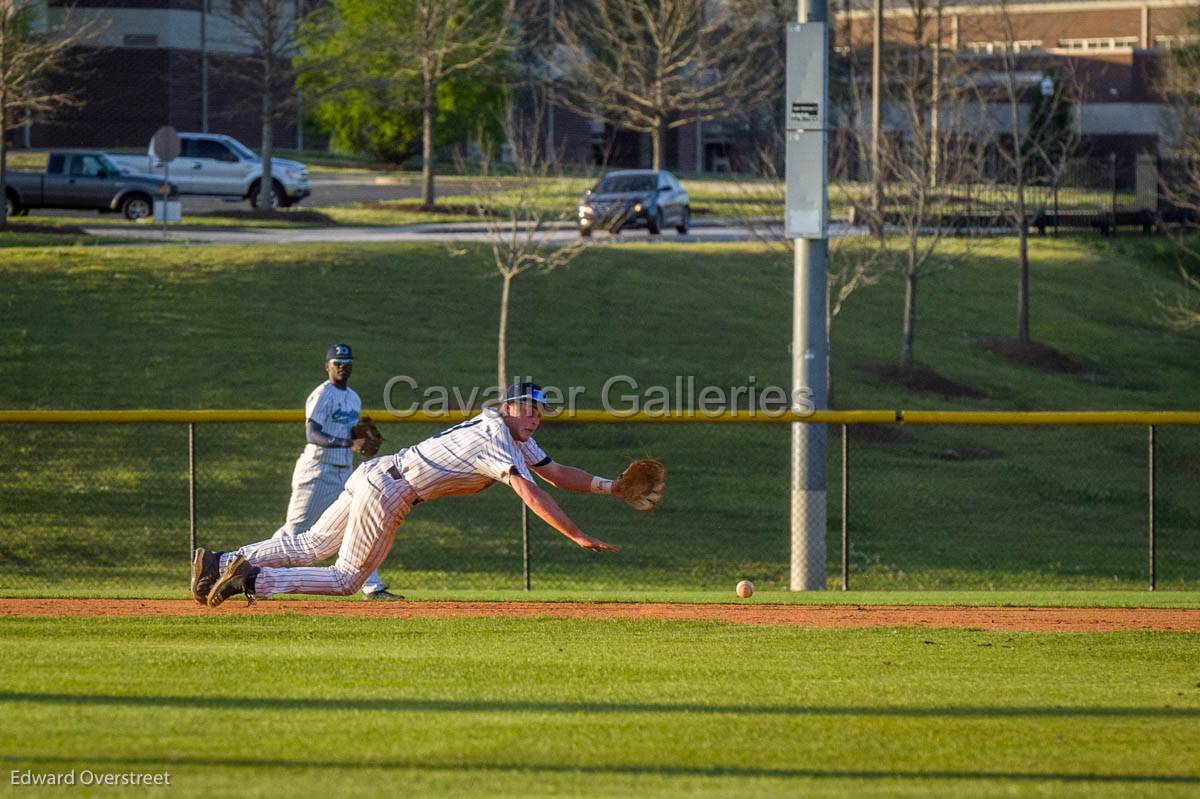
x=106, y=508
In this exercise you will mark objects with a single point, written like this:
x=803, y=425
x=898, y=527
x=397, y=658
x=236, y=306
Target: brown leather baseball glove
x=641, y=484
x=365, y=437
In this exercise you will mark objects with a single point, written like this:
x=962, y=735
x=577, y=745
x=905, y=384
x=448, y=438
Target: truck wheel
x=11, y=206
x=136, y=207
x=278, y=196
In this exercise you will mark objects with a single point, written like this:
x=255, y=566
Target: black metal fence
x=1105, y=194
x=102, y=508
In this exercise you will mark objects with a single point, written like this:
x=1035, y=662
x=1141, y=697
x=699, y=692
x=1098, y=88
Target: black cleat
x=206, y=568
x=238, y=578
x=382, y=595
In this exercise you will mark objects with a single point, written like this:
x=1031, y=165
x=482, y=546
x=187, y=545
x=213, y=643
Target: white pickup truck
x=215, y=165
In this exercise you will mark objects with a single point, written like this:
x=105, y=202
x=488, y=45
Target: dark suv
x=632, y=198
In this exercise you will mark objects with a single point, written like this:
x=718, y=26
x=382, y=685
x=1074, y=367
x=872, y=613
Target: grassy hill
x=246, y=327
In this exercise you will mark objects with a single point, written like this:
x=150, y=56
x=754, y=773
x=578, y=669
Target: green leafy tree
x=390, y=61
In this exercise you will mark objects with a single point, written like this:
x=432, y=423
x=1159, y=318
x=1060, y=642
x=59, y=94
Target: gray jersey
x=336, y=410
x=468, y=458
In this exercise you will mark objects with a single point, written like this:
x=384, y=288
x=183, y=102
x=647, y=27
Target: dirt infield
x=982, y=618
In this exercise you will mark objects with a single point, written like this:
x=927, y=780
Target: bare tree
x=421, y=42
x=267, y=29
x=28, y=59
x=654, y=65
x=1033, y=155
x=1179, y=180
x=517, y=226
x=916, y=161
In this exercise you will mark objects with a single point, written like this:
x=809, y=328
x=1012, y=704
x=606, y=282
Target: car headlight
x=637, y=208
x=584, y=210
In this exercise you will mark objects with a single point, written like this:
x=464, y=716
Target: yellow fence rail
x=1012, y=418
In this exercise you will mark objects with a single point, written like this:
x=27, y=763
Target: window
x=206, y=148
x=1104, y=43
x=990, y=48
x=55, y=165
x=245, y=152
x=86, y=166
x=626, y=184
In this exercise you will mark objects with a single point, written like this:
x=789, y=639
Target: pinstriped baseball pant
x=360, y=526
x=315, y=487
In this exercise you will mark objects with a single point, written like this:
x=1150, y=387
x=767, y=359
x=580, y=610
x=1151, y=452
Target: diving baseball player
x=325, y=464
x=495, y=446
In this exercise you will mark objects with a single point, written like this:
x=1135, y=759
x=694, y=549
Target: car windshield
x=242, y=150
x=625, y=184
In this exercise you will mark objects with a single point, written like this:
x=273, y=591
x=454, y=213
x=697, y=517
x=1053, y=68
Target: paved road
x=342, y=189
x=465, y=232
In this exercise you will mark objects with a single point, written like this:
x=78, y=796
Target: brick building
x=1114, y=48
x=156, y=62
x=149, y=63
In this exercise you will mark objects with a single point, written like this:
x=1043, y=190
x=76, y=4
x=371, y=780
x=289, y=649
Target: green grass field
x=257, y=705
x=301, y=706
x=932, y=508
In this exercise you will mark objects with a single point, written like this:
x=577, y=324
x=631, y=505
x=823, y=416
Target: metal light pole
x=204, y=66
x=807, y=192
x=876, y=113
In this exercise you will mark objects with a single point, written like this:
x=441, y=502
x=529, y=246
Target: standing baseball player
x=495, y=446
x=331, y=415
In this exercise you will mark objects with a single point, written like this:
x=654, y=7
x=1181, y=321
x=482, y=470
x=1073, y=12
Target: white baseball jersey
x=336, y=410
x=467, y=458
x=360, y=526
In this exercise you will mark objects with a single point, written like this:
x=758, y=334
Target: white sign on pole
x=806, y=157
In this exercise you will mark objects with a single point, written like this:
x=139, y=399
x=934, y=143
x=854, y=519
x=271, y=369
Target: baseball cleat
x=206, y=568
x=238, y=578
x=382, y=595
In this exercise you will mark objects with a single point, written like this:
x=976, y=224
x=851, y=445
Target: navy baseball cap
x=339, y=352
x=525, y=392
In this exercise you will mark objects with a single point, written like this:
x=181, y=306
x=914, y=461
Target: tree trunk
x=1023, y=281
x=656, y=146
x=936, y=102
x=4, y=156
x=266, y=185
x=502, y=346
x=829, y=347
x=428, y=197
x=1023, y=238
x=910, y=318
x=1022, y=224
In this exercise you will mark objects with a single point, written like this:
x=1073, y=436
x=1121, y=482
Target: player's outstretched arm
x=569, y=478
x=547, y=509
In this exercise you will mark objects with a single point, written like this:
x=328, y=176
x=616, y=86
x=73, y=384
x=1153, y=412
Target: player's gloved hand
x=594, y=544
x=641, y=485
x=365, y=437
